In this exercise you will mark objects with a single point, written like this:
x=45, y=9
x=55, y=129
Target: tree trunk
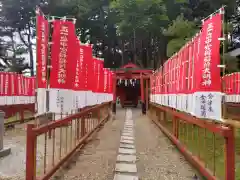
x=30, y=49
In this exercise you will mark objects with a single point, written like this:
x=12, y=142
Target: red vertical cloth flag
x=63, y=65
x=31, y=90
x=13, y=87
x=209, y=55
x=80, y=75
x=95, y=79
x=16, y=89
x=238, y=87
x=78, y=83
x=42, y=50
x=6, y=88
x=88, y=67
x=185, y=68
x=105, y=85
x=2, y=96
x=110, y=85
x=208, y=94
x=19, y=89
x=10, y=88
x=95, y=75
x=90, y=75
x=42, y=29
x=196, y=43
x=101, y=80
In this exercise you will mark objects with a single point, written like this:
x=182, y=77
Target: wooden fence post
x=30, y=153
x=83, y=131
x=230, y=155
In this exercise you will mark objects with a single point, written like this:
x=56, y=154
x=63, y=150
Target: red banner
x=2, y=84
x=208, y=74
x=13, y=84
x=100, y=75
x=105, y=85
x=196, y=45
x=42, y=50
x=6, y=88
x=88, y=67
x=31, y=89
x=19, y=85
x=63, y=55
x=110, y=82
x=79, y=75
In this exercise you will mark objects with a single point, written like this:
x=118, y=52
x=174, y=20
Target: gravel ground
x=96, y=161
x=157, y=158
x=13, y=166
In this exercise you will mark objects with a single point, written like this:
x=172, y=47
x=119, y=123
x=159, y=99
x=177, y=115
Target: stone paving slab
x=126, y=158
x=127, y=134
x=125, y=177
x=127, y=137
x=129, y=146
x=126, y=168
x=127, y=141
x=126, y=151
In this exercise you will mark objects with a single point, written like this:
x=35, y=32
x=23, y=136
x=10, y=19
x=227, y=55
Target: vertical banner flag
x=6, y=89
x=88, y=74
x=63, y=64
x=42, y=55
x=2, y=100
x=80, y=97
x=208, y=86
x=13, y=87
x=105, y=88
x=76, y=85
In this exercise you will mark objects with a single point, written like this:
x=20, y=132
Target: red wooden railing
x=46, y=155
x=12, y=110
x=207, y=145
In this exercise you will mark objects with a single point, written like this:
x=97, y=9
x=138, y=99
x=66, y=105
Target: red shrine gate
x=130, y=83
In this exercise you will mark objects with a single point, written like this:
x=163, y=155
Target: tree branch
x=22, y=39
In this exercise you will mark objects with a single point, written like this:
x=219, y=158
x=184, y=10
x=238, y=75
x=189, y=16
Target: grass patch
x=208, y=146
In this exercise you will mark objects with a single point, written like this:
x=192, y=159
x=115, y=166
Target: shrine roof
x=133, y=68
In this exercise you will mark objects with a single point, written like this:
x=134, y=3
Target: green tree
x=19, y=17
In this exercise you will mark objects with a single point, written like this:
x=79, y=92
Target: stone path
x=126, y=168
x=96, y=161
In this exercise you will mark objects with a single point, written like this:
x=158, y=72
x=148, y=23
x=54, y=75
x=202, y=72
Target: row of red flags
x=16, y=85
x=190, y=80
x=231, y=83
x=73, y=68
x=195, y=66
x=231, y=87
x=72, y=63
